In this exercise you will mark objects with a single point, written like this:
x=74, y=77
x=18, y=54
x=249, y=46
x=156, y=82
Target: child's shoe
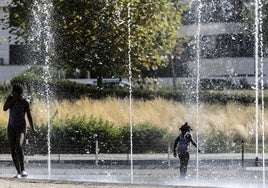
x=24, y=173
x=17, y=176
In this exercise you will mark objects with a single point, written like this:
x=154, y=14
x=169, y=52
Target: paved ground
x=29, y=183
x=151, y=170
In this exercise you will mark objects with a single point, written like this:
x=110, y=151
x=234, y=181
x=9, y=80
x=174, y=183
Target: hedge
x=65, y=89
x=79, y=135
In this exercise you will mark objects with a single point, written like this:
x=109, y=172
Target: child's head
x=185, y=128
x=17, y=89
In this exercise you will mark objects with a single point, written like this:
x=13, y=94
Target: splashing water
x=259, y=65
x=197, y=83
x=130, y=90
x=262, y=86
x=256, y=74
x=41, y=39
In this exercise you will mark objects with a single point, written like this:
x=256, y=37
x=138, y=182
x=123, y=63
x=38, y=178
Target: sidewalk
x=150, y=170
x=126, y=157
x=160, y=161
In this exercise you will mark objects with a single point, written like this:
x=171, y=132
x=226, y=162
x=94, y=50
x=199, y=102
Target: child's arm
x=29, y=116
x=193, y=142
x=175, y=146
x=9, y=103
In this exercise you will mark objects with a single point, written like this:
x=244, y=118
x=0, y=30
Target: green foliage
x=222, y=98
x=217, y=143
x=95, y=34
x=5, y=90
x=3, y=139
x=146, y=138
x=65, y=89
x=265, y=27
x=27, y=79
x=79, y=135
x=220, y=142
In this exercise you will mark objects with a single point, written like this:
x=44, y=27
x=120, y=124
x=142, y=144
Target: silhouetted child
x=18, y=107
x=182, y=146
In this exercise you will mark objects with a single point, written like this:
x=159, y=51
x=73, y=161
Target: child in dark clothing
x=181, y=147
x=18, y=107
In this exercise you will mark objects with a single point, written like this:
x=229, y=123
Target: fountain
x=197, y=83
x=259, y=77
x=259, y=46
x=41, y=38
x=209, y=170
x=130, y=90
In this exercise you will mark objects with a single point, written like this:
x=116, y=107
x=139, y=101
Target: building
x=8, y=66
x=4, y=36
x=227, y=46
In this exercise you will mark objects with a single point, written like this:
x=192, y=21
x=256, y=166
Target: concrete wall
x=222, y=66
x=8, y=72
x=225, y=66
x=212, y=29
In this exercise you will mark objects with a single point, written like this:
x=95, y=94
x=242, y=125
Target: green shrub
x=79, y=135
x=3, y=139
x=216, y=143
x=65, y=89
x=146, y=138
x=5, y=90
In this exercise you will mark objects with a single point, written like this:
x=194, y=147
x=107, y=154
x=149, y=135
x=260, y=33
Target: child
x=18, y=107
x=181, y=146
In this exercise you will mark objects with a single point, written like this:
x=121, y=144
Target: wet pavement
x=149, y=170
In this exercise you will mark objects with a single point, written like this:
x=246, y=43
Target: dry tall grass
x=232, y=119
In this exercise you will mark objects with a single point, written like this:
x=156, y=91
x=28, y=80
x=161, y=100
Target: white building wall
x=222, y=66
x=4, y=34
x=8, y=72
x=212, y=29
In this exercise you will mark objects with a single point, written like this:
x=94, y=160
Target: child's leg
x=12, y=144
x=20, y=150
x=184, y=163
x=183, y=167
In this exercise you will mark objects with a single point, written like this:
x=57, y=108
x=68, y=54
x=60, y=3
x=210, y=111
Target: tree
x=249, y=9
x=94, y=34
x=265, y=26
x=88, y=38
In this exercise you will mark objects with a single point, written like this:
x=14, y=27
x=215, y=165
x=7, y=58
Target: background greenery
x=64, y=89
x=78, y=134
